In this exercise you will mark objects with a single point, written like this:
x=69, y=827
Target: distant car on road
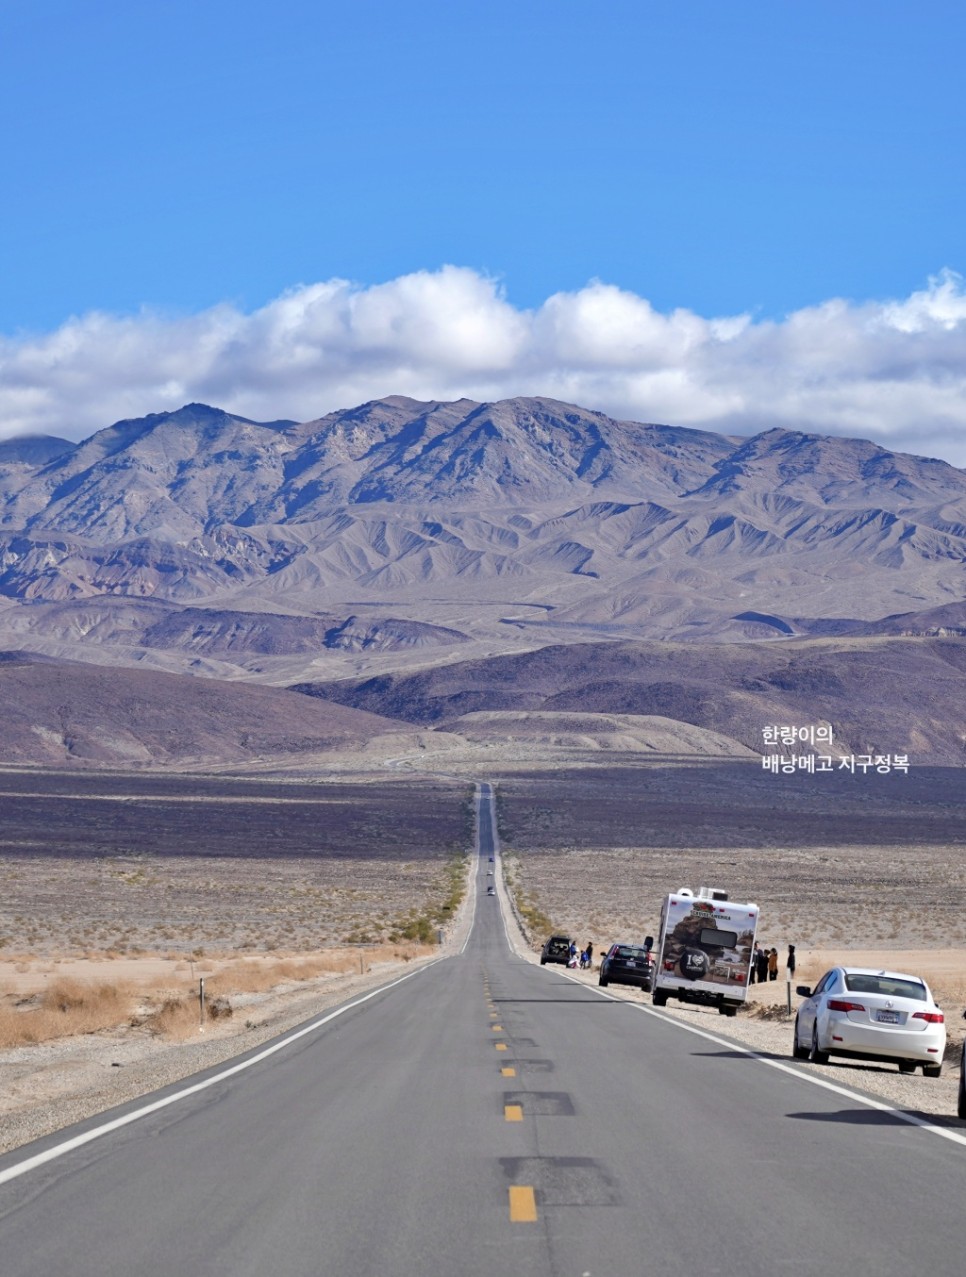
x=491, y=891
x=627, y=964
x=871, y=1015
x=557, y=949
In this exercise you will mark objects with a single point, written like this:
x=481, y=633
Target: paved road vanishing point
x=483, y=1116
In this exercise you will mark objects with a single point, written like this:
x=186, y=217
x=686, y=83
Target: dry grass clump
x=179, y=1017
x=66, y=1008
x=258, y=975
x=176, y=1018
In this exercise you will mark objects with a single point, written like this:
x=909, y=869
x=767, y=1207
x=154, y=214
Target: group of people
x=764, y=964
x=584, y=959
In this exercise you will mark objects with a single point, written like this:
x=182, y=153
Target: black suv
x=627, y=964
x=557, y=949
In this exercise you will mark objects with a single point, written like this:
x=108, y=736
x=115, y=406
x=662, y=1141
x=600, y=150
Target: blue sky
x=168, y=163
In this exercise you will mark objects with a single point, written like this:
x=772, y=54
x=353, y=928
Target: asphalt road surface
x=482, y=1116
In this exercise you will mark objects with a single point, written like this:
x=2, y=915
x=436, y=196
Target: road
x=481, y=1116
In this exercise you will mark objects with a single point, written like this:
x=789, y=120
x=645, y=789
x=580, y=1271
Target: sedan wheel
x=906, y=1066
x=799, y=1052
x=932, y=1070
x=815, y=1055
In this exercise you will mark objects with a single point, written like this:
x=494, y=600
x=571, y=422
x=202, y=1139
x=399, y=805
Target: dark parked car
x=627, y=964
x=557, y=949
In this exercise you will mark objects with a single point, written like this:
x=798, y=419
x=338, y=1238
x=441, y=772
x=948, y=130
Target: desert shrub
x=67, y=1007
x=454, y=889
x=218, y=1009
x=175, y=1018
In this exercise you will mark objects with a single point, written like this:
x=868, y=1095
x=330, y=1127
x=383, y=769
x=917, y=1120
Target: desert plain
x=289, y=888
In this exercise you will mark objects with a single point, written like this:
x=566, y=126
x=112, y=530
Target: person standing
x=753, y=966
x=762, y=966
x=790, y=962
x=773, y=964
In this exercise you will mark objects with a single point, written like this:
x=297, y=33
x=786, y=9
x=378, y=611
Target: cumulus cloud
x=893, y=371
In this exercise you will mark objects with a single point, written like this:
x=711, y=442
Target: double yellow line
x=523, y=1198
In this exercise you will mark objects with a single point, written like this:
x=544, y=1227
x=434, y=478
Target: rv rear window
x=720, y=939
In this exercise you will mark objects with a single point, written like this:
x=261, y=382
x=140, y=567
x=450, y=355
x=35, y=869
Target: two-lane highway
x=486, y=1115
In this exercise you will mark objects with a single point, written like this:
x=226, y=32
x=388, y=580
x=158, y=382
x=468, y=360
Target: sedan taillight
x=836, y=1005
x=932, y=1017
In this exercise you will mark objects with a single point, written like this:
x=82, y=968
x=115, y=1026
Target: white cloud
x=891, y=371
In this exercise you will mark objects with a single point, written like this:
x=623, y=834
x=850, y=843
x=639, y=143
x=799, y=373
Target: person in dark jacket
x=761, y=962
x=790, y=962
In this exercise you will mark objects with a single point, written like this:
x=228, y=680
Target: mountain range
x=400, y=536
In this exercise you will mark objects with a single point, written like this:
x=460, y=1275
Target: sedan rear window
x=625, y=951
x=887, y=985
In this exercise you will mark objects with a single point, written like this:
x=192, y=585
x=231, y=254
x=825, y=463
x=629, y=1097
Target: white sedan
x=871, y=1015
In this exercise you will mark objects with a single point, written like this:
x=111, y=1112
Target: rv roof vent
x=712, y=893
x=685, y=891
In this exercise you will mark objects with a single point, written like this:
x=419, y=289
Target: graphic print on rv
x=704, y=949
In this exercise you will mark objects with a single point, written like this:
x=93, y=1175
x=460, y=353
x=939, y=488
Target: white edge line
x=497, y=864
x=478, y=798
x=901, y=1114
x=39, y=1159
x=501, y=887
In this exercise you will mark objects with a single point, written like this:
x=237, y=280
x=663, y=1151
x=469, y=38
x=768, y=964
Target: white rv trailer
x=704, y=949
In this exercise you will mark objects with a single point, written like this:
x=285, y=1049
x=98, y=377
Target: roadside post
x=201, y=1004
x=789, y=972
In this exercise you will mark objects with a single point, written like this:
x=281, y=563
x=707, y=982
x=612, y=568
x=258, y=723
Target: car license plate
x=887, y=1017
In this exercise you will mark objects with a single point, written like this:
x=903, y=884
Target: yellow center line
x=523, y=1204
x=513, y=1112
x=508, y=1072
x=501, y=1046
x=497, y=1028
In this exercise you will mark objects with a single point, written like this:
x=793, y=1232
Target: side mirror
x=804, y=991
x=964, y=1015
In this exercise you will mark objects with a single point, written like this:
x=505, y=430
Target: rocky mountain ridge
x=513, y=524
